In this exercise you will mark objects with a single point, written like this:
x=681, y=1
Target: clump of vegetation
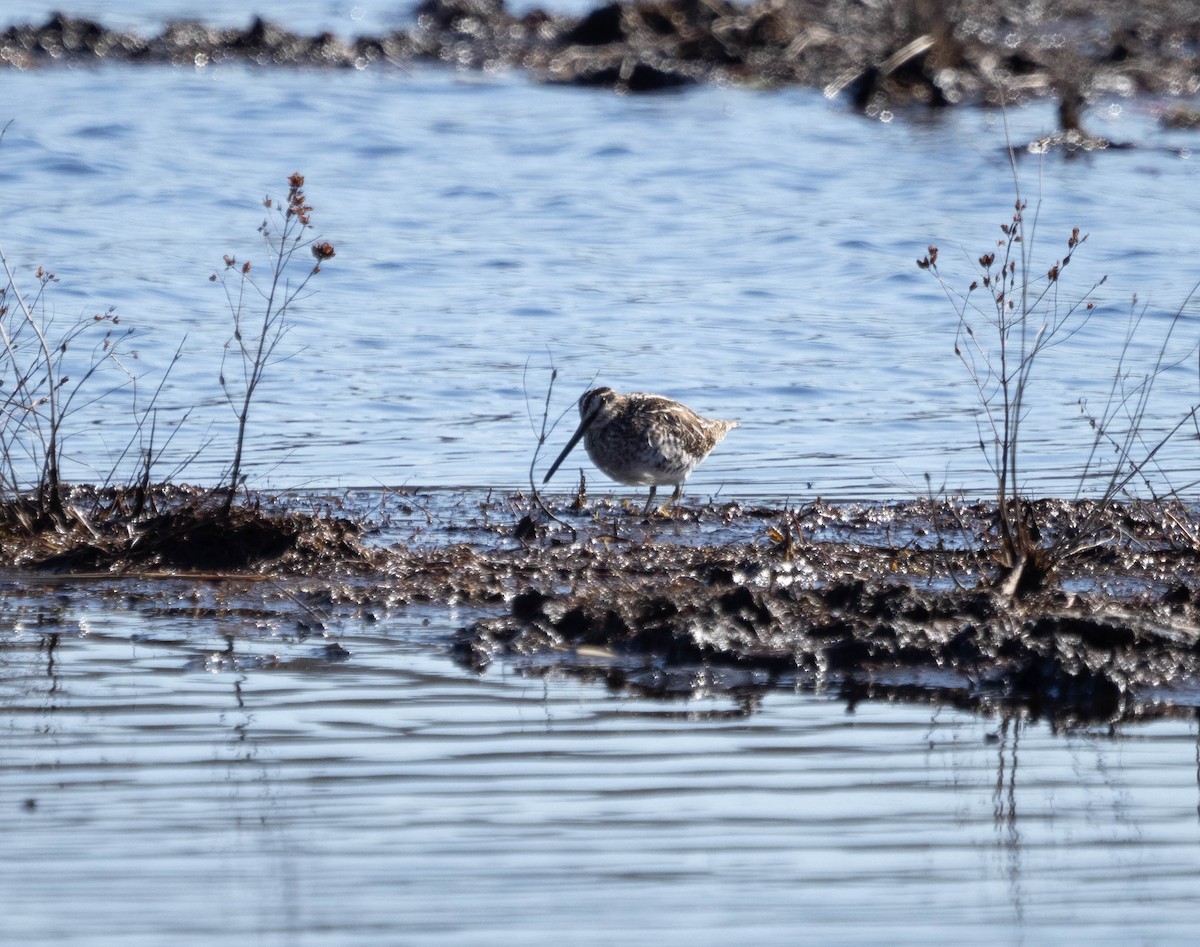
x=1011, y=313
x=256, y=336
x=50, y=371
x=46, y=375
x=1025, y=316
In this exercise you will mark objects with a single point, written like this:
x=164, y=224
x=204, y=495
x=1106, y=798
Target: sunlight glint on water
x=172, y=776
x=740, y=251
x=392, y=796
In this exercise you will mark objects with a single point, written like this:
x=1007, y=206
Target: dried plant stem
x=41, y=396
x=1028, y=315
x=541, y=435
x=256, y=353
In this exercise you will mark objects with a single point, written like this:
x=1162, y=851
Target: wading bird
x=639, y=439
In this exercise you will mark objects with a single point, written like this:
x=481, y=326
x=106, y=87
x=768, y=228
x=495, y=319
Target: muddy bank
x=901, y=601
x=938, y=52
x=1070, y=658
x=172, y=529
x=898, y=602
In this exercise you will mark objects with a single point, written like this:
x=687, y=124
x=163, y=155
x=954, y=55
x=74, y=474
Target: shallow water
x=154, y=785
x=751, y=253
x=241, y=761
x=345, y=18
x=186, y=763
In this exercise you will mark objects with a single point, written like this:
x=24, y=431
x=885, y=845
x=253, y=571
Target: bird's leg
x=650, y=501
x=665, y=510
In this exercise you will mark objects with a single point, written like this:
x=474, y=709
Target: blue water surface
x=750, y=253
x=181, y=766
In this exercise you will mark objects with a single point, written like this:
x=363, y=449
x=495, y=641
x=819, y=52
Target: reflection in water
x=380, y=793
x=198, y=760
x=50, y=644
x=1004, y=806
x=1004, y=795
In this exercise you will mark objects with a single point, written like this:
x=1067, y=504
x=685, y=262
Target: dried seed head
x=323, y=250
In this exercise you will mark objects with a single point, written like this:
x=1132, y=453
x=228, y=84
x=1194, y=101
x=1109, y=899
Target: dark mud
x=171, y=528
x=883, y=602
x=897, y=602
x=936, y=52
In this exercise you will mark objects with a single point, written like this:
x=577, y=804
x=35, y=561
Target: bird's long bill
x=579, y=432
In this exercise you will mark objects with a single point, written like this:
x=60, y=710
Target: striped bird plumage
x=642, y=439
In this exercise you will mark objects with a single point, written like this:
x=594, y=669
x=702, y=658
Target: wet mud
x=897, y=602
x=133, y=531
x=903, y=601
x=878, y=55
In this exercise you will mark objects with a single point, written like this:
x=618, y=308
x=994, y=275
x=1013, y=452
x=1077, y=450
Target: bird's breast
x=639, y=455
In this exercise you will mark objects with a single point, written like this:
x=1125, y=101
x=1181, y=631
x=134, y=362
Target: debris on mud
x=879, y=54
x=176, y=528
x=901, y=601
x=886, y=602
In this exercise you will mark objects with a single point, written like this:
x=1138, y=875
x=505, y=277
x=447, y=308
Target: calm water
x=154, y=785
x=749, y=252
x=345, y=18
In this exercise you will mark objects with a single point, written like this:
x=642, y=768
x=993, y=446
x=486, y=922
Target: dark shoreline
x=897, y=602
x=879, y=56
x=901, y=602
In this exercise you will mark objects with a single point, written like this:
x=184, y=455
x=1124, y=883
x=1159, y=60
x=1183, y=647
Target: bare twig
x=541, y=436
x=255, y=346
x=1028, y=314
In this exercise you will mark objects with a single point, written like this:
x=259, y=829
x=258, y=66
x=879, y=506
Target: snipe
x=639, y=439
